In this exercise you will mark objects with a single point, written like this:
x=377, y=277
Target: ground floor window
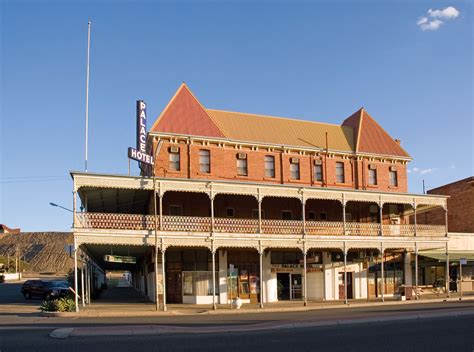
x=199, y=283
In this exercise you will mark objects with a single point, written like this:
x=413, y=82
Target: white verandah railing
x=250, y=226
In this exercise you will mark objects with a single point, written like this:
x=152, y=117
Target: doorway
x=289, y=286
x=350, y=293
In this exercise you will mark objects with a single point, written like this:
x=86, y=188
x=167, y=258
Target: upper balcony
x=186, y=206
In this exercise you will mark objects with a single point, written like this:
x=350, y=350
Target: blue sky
x=319, y=60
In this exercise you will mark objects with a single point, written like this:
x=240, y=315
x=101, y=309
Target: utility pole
x=87, y=89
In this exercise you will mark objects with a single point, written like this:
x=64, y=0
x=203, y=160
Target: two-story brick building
x=259, y=207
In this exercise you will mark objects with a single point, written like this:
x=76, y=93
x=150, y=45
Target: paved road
x=447, y=334
x=23, y=329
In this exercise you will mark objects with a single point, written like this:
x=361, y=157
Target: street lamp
x=60, y=206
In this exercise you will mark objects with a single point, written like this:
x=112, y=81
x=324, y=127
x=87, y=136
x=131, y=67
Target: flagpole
x=87, y=89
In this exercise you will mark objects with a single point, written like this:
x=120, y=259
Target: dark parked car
x=44, y=289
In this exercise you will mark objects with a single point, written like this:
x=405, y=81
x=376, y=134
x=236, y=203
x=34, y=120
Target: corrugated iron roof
x=185, y=115
x=282, y=131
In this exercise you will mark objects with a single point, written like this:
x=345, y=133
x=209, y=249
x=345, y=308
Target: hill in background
x=43, y=251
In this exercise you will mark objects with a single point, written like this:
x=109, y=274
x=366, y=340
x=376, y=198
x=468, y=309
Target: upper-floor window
x=287, y=215
x=393, y=178
x=242, y=164
x=204, y=161
x=269, y=166
x=372, y=176
x=175, y=210
x=318, y=172
x=174, y=158
x=294, y=168
x=229, y=212
x=340, y=172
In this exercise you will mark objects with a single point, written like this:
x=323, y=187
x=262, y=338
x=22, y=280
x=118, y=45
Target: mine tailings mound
x=43, y=251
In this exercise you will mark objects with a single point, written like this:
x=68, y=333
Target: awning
x=454, y=256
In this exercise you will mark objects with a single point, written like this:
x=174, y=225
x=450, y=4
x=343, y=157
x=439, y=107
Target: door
x=283, y=286
x=174, y=288
x=350, y=293
x=296, y=286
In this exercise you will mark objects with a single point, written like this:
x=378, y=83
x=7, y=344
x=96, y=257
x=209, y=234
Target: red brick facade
x=223, y=166
x=460, y=206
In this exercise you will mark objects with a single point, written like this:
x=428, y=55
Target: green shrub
x=49, y=306
x=66, y=304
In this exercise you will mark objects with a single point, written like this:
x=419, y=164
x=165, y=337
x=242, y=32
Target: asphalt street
x=22, y=328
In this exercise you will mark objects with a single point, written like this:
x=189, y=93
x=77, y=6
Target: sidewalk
x=126, y=302
x=133, y=330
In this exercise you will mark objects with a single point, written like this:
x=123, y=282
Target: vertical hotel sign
x=140, y=154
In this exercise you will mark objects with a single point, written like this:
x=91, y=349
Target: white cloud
x=433, y=19
x=419, y=171
x=427, y=25
x=447, y=13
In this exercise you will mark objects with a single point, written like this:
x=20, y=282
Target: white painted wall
x=328, y=277
x=222, y=254
x=151, y=286
x=407, y=269
x=315, y=282
x=12, y=276
x=461, y=241
x=270, y=293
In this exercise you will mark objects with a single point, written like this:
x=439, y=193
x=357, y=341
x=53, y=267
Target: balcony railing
x=250, y=226
x=320, y=228
x=362, y=229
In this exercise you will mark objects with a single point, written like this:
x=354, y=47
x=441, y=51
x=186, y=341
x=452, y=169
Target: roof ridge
x=277, y=117
x=359, y=129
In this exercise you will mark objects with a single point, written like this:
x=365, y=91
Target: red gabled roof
x=370, y=137
x=185, y=115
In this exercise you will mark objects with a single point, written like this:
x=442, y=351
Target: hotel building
x=258, y=207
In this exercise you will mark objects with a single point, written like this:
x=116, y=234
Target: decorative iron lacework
x=362, y=229
x=105, y=181
x=186, y=223
x=116, y=221
x=321, y=228
x=235, y=225
x=281, y=227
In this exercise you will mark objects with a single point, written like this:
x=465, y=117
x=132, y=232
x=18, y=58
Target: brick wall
x=224, y=167
x=460, y=206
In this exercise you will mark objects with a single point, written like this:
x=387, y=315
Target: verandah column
x=155, y=211
x=76, y=300
x=416, y=270
x=382, y=268
x=303, y=213
x=343, y=214
x=83, y=299
x=305, y=292
x=447, y=248
x=213, y=251
x=163, y=250
x=211, y=196
x=414, y=216
x=380, y=217
x=259, y=200
x=447, y=270
x=345, y=272
x=260, y=252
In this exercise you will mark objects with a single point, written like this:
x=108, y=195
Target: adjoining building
x=261, y=208
x=461, y=238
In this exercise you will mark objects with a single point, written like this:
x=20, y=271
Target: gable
x=375, y=140
x=185, y=115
